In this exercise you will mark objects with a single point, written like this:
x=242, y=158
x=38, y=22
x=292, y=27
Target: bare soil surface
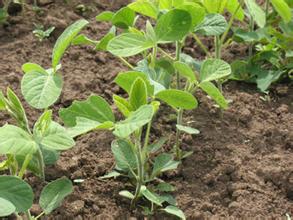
x=242, y=166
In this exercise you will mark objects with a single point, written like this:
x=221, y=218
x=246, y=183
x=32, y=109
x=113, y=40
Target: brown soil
x=242, y=166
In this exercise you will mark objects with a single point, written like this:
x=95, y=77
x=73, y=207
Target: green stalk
x=218, y=47
x=178, y=52
x=177, y=141
x=24, y=165
x=251, y=28
x=28, y=215
x=40, y=159
x=202, y=46
x=140, y=172
x=126, y=63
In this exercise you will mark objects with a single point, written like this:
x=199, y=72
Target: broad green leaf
x=197, y=12
x=164, y=162
x=150, y=32
x=65, y=40
x=266, y=78
x=124, y=155
x=242, y=35
x=124, y=18
x=212, y=25
x=6, y=207
x=178, y=99
x=126, y=194
x=187, y=129
x=214, y=93
x=177, y=3
x=94, y=108
x=105, y=16
x=56, y=138
x=28, y=67
x=173, y=210
x=41, y=90
x=123, y=105
x=215, y=6
x=84, y=125
x=234, y=6
x=144, y=7
x=126, y=79
x=256, y=12
x=165, y=187
x=14, y=140
x=152, y=197
x=136, y=120
x=185, y=71
x=165, y=4
x=43, y=123
x=17, y=192
x=53, y=194
x=154, y=147
x=214, y=69
x=283, y=9
x=129, y=44
x=138, y=94
x=173, y=26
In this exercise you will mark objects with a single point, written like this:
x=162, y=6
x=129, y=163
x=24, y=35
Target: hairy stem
x=178, y=52
x=177, y=141
x=40, y=158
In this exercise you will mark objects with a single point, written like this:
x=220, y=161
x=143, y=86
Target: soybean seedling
x=135, y=157
x=41, y=33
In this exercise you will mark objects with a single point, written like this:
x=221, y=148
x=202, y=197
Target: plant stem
x=41, y=164
x=178, y=52
x=165, y=53
x=24, y=165
x=154, y=56
x=28, y=215
x=251, y=29
x=40, y=215
x=202, y=46
x=177, y=141
x=140, y=172
x=218, y=47
x=267, y=8
x=126, y=63
x=147, y=135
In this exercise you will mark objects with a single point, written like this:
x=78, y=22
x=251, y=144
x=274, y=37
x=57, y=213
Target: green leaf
x=150, y=32
x=165, y=187
x=17, y=192
x=212, y=25
x=266, y=78
x=94, y=108
x=112, y=174
x=256, y=12
x=283, y=9
x=6, y=207
x=56, y=138
x=41, y=90
x=138, y=94
x=152, y=197
x=164, y=162
x=124, y=18
x=84, y=125
x=65, y=39
x=188, y=130
x=136, y=120
x=173, y=26
x=83, y=40
x=123, y=105
x=215, y=6
x=2, y=101
x=197, y=12
x=105, y=16
x=124, y=155
x=43, y=123
x=28, y=67
x=173, y=210
x=14, y=140
x=214, y=69
x=126, y=194
x=53, y=194
x=178, y=99
x=185, y=71
x=154, y=147
x=126, y=79
x=129, y=44
x=144, y=7
x=214, y=93
x=102, y=45
x=232, y=6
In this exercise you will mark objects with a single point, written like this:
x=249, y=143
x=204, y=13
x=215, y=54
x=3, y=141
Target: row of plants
x=160, y=76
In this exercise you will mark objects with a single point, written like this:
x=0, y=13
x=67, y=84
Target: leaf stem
x=24, y=165
x=28, y=215
x=40, y=158
x=177, y=141
x=178, y=52
x=126, y=62
x=202, y=46
x=40, y=215
x=165, y=53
